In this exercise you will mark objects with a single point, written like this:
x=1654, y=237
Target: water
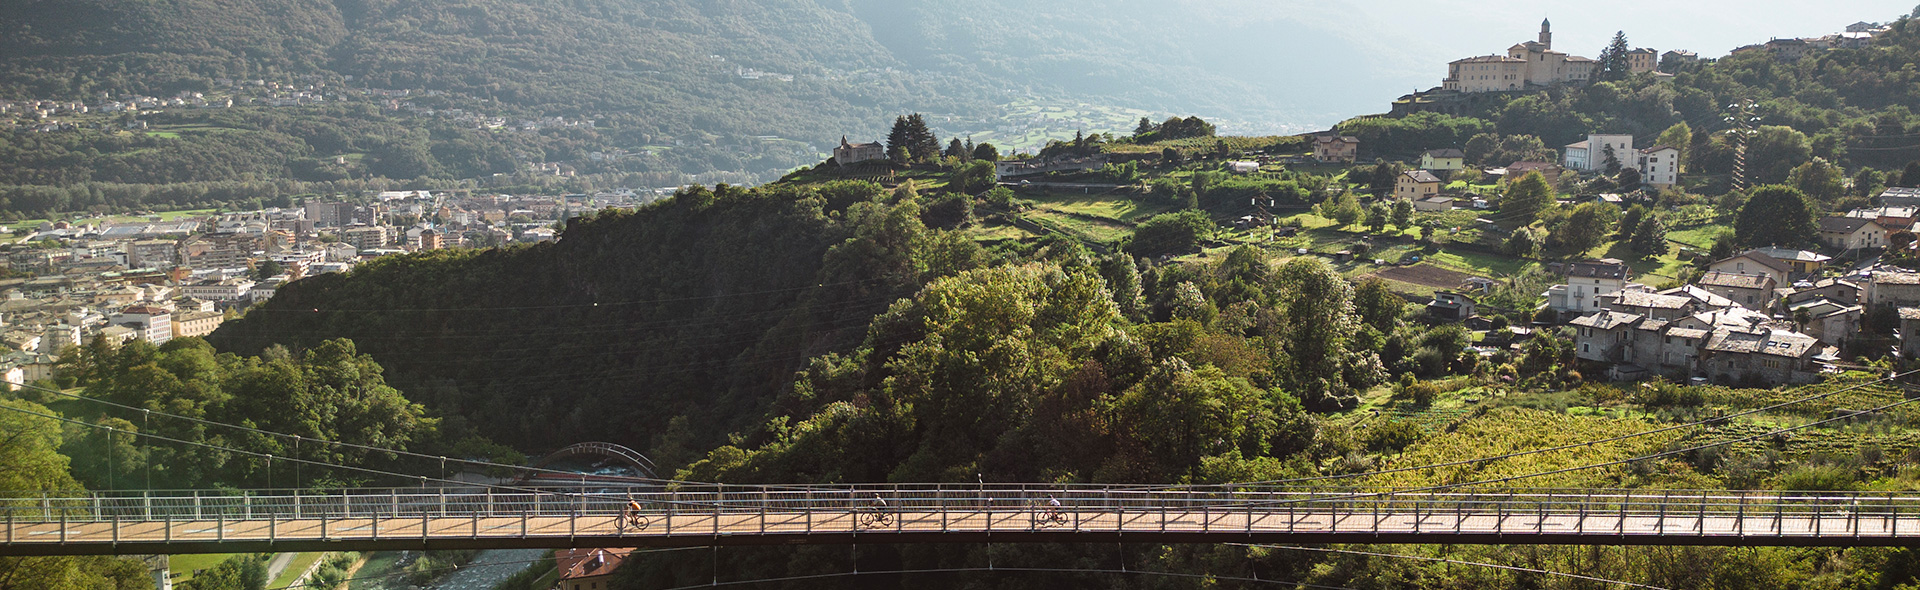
x=490, y=568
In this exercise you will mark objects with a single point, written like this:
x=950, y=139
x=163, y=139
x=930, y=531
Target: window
x=1586, y=348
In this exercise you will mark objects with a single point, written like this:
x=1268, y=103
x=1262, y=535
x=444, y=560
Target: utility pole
x=1741, y=118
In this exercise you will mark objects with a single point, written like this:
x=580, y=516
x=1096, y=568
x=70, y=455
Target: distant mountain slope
x=673, y=61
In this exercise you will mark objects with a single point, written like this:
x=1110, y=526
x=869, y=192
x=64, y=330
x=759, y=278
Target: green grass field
x=298, y=566
x=1118, y=209
x=185, y=565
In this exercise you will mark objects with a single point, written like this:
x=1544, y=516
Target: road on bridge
x=413, y=519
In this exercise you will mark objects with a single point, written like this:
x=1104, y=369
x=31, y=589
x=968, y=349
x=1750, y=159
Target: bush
x=1828, y=477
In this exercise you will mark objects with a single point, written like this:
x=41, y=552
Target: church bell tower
x=1546, y=33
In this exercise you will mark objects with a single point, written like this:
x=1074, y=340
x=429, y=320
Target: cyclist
x=632, y=514
x=879, y=507
x=1053, y=507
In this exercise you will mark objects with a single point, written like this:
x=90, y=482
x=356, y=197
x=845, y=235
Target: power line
x=302, y=439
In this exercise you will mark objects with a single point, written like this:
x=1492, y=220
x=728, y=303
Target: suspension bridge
x=471, y=518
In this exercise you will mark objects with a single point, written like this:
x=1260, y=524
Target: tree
x=1613, y=60
x=1522, y=243
x=1911, y=175
x=1820, y=180
x=1170, y=233
x=1171, y=156
x=1628, y=179
x=1319, y=315
x=1649, y=238
x=1612, y=161
x=1377, y=304
x=1679, y=137
x=1402, y=213
x=1377, y=215
x=985, y=152
x=1630, y=222
x=1146, y=126
x=973, y=177
x=1345, y=209
x=1525, y=198
x=267, y=269
x=1775, y=215
x=1586, y=227
x=956, y=150
x=912, y=140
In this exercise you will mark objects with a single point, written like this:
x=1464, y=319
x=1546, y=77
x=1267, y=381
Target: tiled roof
x=1844, y=225
x=1792, y=254
x=1598, y=269
x=1422, y=176
x=1687, y=333
x=1910, y=313
x=1606, y=320
x=1705, y=297
x=582, y=563
x=1896, y=278
x=1735, y=280
x=1447, y=153
x=1652, y=300
x=1761, y=259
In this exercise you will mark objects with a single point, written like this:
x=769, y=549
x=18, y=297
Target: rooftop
x=1652, y=300
x=1735, y=280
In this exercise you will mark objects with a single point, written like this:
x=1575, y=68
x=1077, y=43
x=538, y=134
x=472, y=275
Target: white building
x=1591, y=155
x=1586, y=283
x=152, y=324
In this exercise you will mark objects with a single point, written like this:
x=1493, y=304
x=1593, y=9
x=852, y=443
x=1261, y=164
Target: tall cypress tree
x=900, y=138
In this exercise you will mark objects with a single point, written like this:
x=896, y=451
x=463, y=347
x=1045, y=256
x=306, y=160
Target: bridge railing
x=948, y=499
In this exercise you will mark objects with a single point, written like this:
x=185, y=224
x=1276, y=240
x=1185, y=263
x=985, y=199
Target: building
x=365, y=237
x=1643, y=60
x=197, y=323
x=1799, y=263
x=1754, y=262
x=1446, y=159
x=1837, y=290
x=1586, y=283
x=1852, y=233
x=219, y=290
x=1891, y=217
x=1659, y=166
x=329, y=214
x=152, y=324
x=1435, y=203
x=1900, y=196
x=1329, y=149
x=1910, y=332
x=1591, y=155
x=1753, y=291
x=1450, y=306
x=1658, y=306
x=153, y=254
x=1732, y=344
x=587, y=569
x=1894, y=289
x=1414, y=185
x=847, y=154
x=1528, y=65
x=1548, y=170
x=1830, y=321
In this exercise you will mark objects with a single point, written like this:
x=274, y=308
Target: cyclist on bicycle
x=632, y=512
x=1053, y=507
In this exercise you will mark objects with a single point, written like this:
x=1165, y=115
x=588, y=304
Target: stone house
x=1852, y=233
x=1414, y=185
x=1336, y=148
x=1752, y=291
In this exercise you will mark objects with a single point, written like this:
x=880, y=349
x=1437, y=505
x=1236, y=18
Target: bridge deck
x=389, y=521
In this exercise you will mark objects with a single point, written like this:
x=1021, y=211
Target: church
x=1526, y=66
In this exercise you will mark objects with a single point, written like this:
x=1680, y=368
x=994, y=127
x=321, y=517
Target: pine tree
x=1145, y=127
x=922, y=145
x=1613, y=60
x=899, y=138
x=956, y=150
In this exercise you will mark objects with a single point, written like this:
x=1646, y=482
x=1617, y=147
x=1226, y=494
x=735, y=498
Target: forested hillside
x=700, y=307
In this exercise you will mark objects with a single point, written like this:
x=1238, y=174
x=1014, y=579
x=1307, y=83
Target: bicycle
x=875, y=519
x=1051, y=518
x=632, y=517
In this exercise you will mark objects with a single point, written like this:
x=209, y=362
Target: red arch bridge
x=690, y=515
